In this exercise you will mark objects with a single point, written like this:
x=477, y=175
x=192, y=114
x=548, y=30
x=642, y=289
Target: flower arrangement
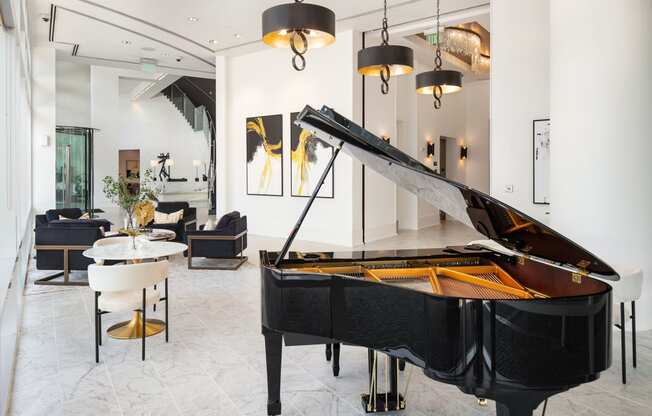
x=138, y=205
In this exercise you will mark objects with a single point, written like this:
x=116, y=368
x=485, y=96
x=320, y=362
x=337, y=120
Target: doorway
x=129, y=169
x=74, y=168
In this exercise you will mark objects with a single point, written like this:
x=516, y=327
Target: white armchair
x=125, y=288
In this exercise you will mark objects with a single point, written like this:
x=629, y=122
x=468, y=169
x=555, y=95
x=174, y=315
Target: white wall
x=601, y=176
x=73, y=94
x=380, y=193
x=264, y=83
x=43, y=124
x=152, y=126
x=464, y=116
x=520, y=85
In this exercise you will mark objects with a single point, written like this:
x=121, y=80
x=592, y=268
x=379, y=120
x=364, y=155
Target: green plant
x=118, y=192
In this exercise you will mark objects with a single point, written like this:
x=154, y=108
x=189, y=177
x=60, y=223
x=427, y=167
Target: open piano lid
x=496, y=220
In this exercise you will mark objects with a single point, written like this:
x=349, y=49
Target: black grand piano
x=515, y=325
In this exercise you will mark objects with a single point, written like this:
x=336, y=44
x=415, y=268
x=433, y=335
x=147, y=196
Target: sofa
x=59, y=243
x=226, y=243
x=187, y=223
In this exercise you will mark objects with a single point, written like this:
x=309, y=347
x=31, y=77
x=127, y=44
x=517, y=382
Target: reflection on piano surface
x=515, y=325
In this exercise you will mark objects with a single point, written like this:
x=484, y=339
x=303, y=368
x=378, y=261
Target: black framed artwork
x=541, y=161
x=265, y=155
x=310, y=156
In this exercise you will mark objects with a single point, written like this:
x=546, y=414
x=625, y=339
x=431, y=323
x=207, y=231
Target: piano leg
x=521, y=403
x=273, y=352
x=329, y=352
x=336, y=359
x=401, y=365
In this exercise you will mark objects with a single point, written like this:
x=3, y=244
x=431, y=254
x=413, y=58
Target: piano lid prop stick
x=295, y=230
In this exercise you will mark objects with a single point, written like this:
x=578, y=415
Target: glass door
x=74, y=167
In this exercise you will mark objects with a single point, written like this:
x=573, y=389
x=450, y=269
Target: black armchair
x=187, y=223
x=226, y=242
x=59, y=245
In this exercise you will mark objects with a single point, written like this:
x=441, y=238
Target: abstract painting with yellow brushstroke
x=310, y=156
x=265, y=155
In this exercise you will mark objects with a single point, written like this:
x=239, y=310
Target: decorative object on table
x=176, y=223
x=438, y=81
x=144, y=212
x=265, y=155
x=298, y=26
x=310, y=155
x=222, y=243
x=125, y=288
x=159, y=234
x=541, y=160
x=196, y=164
x=385, y=60
x=118, y=192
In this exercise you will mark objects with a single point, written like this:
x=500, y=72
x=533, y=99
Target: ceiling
x=121, y=31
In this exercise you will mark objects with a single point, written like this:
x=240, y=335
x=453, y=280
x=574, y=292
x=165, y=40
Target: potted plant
x=122, y=194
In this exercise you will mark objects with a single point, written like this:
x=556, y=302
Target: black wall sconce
x=464, y=152
x=430, y=149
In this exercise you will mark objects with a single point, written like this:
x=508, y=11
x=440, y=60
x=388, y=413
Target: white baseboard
x=380, y=232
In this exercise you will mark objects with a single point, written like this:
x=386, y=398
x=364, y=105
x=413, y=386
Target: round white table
x=145, y=250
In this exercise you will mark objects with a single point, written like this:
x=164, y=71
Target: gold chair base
x=134, y=329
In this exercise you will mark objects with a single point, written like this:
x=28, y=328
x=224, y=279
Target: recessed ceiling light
x=126, y=42
x=192, y=19
x=147, y=49
x=212, y=41
x=237, y=35
x=165, y=54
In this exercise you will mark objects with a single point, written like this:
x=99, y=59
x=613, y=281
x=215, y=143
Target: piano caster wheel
x=329, y=352
x=482, y=402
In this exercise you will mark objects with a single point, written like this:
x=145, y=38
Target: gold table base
x=134, y=329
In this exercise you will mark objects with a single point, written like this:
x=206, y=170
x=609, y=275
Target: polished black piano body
x=517, y=352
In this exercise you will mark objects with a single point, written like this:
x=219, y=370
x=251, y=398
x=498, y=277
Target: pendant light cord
x=437, y=90
x=384, y=71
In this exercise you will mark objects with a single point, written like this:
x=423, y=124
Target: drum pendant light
x=385, y=60
x=438, y=81
x=298, y=26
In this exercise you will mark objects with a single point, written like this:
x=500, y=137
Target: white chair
x=110, y=241
x=626, y=291
x=124, y=288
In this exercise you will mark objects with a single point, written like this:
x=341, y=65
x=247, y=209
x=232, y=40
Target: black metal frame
x=98, y=321
x=241, y=259
x=621, y=326
x=65, y=273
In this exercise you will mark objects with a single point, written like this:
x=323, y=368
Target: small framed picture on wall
x=541, y=161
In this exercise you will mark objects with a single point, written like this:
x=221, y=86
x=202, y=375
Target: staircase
x=200, y=119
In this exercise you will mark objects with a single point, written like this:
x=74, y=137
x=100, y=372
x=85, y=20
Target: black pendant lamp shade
x=399, y=59
x=298, y=26
x=438, y=81
x=385, y=60
x=450, y=81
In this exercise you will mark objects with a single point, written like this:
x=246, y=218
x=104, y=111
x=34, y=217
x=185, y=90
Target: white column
x=220, y=134
x=43, y=124
x=601, y=112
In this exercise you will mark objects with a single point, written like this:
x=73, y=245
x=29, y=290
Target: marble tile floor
x=214, y=363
